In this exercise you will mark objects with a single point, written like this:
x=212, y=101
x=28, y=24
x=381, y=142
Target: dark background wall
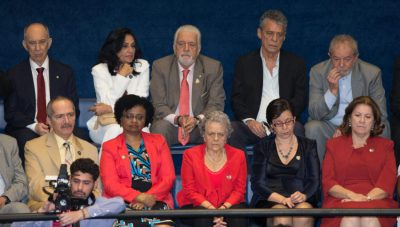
x=78, y=29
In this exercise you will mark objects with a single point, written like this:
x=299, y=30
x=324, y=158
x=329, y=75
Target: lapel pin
x=197, y=81
x=371, y=150
x=123, y=156
x=58, y=77
x=298, y=157
x=79, y=153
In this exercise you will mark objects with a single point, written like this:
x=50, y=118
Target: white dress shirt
x=270, y=89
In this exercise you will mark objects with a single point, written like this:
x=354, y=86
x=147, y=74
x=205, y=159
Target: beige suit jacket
x=42, y=158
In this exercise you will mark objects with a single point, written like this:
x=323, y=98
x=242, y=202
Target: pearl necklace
x=290, y=149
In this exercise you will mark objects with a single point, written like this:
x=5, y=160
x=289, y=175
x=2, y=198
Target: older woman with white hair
x=214, y=173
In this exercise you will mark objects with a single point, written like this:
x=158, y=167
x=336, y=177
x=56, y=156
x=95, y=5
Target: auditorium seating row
x=176, y=151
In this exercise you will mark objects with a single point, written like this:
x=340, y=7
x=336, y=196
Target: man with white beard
x=184, y=86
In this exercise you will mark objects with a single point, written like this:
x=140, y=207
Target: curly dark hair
x=111, y=47
x=85, y=165
x=127, y=102
x=377, y=127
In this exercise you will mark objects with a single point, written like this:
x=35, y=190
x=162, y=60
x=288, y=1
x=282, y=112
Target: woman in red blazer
x=136, y=165
x=214, y=174
x=359, y=169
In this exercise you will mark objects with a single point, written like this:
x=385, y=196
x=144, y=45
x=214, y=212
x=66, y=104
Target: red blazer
x=197, y=187
x=115, y=169
x=381, y=168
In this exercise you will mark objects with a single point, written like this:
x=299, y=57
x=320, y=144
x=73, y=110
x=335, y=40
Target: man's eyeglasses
x=138, y=117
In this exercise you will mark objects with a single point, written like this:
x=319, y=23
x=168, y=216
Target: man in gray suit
x=13, y=183
x=205, y=87
x=334, y=83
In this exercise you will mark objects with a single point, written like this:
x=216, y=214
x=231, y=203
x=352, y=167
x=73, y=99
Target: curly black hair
x=127, y=102
x=85, y=165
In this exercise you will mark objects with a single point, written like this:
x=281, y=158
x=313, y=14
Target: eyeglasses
x=287, y=123
x=271, y=34
x=182, y=44
x=137, y=117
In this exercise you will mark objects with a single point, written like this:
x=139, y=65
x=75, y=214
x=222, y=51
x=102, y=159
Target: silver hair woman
x=214, y=173
x=219, y=117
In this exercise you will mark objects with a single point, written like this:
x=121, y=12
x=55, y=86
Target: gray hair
x=275, y=15
x=344, y=38
x=49, y=107
x=37, y=23
x=189, y=28
x=218, y=117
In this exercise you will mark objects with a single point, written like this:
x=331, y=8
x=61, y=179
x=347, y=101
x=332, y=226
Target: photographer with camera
x=44, y=155
x=84, y=179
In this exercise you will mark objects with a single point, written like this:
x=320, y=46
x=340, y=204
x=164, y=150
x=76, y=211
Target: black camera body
x=64, y=201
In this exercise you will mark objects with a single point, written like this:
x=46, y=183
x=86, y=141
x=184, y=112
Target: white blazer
x=110, y=88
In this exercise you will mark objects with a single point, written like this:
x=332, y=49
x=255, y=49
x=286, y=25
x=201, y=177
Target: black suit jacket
x=20, y=105
x=5, y=87
x=248, y=82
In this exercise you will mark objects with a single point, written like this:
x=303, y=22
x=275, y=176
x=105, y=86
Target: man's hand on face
x=333, y=81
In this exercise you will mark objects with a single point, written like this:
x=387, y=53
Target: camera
x=63, y=200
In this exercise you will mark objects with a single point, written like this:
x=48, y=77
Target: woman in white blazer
x=119, y=71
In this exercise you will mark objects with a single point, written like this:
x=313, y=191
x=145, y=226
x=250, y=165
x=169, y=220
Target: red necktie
x=41, y=97
x=183, y=137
